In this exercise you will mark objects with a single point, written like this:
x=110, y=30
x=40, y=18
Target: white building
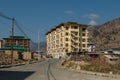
x=91, y=47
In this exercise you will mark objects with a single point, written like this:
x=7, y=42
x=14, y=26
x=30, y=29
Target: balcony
x=74, y=41
x=75, y=50
x=75, y=34
x=76, y=30
x=75, y=45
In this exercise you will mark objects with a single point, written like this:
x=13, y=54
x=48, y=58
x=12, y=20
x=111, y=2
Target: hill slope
x=106, y=36
x=34, y=46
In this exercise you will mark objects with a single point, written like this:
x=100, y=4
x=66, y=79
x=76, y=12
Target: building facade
x=91, y=47
x=17, y=41
x=1, y=43
x=67, y=38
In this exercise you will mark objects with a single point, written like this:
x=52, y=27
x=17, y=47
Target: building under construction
x=17, y=41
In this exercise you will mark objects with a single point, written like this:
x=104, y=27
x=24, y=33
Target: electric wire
x=4, y=16
x=17, y=25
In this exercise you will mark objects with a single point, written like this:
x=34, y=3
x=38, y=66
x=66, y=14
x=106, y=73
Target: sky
x=39, y=16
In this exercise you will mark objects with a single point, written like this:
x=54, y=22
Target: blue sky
x=36, y=16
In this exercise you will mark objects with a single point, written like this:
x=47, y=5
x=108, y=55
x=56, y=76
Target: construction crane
x=14, y=22
x=12, y=37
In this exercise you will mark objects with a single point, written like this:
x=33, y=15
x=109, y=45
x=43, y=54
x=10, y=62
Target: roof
x=17, y=37
x=67, y=23
x=17, y=48
x=91, y=43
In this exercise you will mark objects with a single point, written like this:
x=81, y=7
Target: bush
x=98, y=66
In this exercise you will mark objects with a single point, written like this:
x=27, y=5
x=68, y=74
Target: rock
x=78, y=67
x=111, y=72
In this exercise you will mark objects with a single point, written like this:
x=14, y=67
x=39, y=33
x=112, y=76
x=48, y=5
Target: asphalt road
x=46, y=70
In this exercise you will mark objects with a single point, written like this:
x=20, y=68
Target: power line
x=16, y=23
x=28, y=29
x=4, y=16
x=18, y=26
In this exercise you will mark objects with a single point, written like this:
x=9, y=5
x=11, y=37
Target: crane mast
x=12, y=40
x=12, y=37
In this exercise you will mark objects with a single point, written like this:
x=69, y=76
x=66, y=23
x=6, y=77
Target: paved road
x=46, y=70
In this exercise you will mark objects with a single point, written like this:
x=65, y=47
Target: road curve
x=46, y=70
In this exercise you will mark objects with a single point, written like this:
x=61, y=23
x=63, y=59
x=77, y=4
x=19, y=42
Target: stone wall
x=26, y=55
x=15, y=54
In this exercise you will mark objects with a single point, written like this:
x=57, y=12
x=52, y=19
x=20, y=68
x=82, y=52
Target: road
x=46, y=70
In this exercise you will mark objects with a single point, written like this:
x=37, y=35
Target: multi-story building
x=17, y=41
x=1, y=43
x=67, y=38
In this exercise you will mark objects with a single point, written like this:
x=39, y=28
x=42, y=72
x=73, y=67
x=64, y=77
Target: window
x=83, y=49
x=66, y=44
x=83, y=29
x=76, y=33
x=61, y=45
x=57, y=45
x=83, y=40
x=83, y=34
x=83, y=45
x=61, y=34
x=67, y=27
x=76, y=44
x=61, y=39
x=75, y=27
x=66, y=39
x=66, y=51
x=66, y=33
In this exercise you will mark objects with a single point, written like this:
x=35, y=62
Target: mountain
x=106, y=36
x=34, y=46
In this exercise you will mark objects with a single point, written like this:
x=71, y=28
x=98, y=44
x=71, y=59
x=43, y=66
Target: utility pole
x=38, y=47
x=12, y=40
